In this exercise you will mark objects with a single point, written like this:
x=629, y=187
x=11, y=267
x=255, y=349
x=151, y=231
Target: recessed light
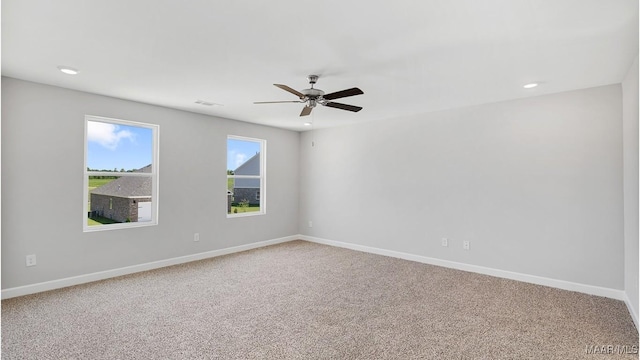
x=68, y=70
x=530, y=86
x=307, y=124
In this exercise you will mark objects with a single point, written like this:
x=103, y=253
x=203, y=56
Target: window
x=245, y=176
x=120, y=174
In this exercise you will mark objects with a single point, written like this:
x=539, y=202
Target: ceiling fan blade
x=293, y=91
x=343, y=106
x=275, y=102
x=343, y=93
x=306, y=111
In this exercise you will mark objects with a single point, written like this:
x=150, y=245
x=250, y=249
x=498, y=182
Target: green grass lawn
x=94, y=183
x=99, y=220
x=250, y=208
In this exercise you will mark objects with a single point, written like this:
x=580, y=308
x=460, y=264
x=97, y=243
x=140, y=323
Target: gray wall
x=630, y=141
x=534, y=184
x=42, y=158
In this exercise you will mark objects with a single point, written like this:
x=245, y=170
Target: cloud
x=240, y=159
x=235, y=159
x=107, y=135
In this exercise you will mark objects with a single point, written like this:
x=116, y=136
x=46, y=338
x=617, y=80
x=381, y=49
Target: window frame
x=155, y=135
x=262, y=176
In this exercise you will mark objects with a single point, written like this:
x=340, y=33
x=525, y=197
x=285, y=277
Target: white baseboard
x=101, y=275
x=533, y=279
x=632, y=311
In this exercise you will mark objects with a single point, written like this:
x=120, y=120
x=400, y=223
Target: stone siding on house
x=121, y=209
x=250, y=194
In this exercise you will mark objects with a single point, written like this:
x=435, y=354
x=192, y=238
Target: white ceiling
x=408, y=56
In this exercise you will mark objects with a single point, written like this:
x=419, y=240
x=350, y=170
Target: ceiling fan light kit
x=311, y=97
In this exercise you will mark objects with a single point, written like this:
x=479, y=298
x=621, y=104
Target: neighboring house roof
x=127, y=186
x=249, y=167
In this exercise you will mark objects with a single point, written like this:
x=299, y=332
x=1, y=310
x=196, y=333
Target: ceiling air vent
x=207, y=103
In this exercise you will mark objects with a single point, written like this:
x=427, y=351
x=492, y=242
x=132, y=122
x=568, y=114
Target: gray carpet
x=301, y=300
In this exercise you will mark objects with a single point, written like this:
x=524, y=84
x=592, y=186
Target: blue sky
x=113, y=146
x=239, y=151
x=118, y=146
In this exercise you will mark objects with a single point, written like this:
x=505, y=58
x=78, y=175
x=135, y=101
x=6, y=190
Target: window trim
x=155, y=134
x=262, y=176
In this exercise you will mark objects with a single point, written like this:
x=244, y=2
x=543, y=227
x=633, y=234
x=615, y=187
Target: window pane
x=244, y=175
x=121, y=174
x=116, y=147
x=119, y=199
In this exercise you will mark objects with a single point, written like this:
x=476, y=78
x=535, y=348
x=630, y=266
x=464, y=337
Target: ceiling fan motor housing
x=312, y=93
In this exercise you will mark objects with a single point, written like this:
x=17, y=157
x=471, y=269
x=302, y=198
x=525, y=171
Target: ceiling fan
x=312, y=97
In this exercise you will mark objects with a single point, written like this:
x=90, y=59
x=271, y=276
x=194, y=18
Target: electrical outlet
x=445, y=242
x=465, y=245
x=31, y=260
x=310, y=223
x=196, y=237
